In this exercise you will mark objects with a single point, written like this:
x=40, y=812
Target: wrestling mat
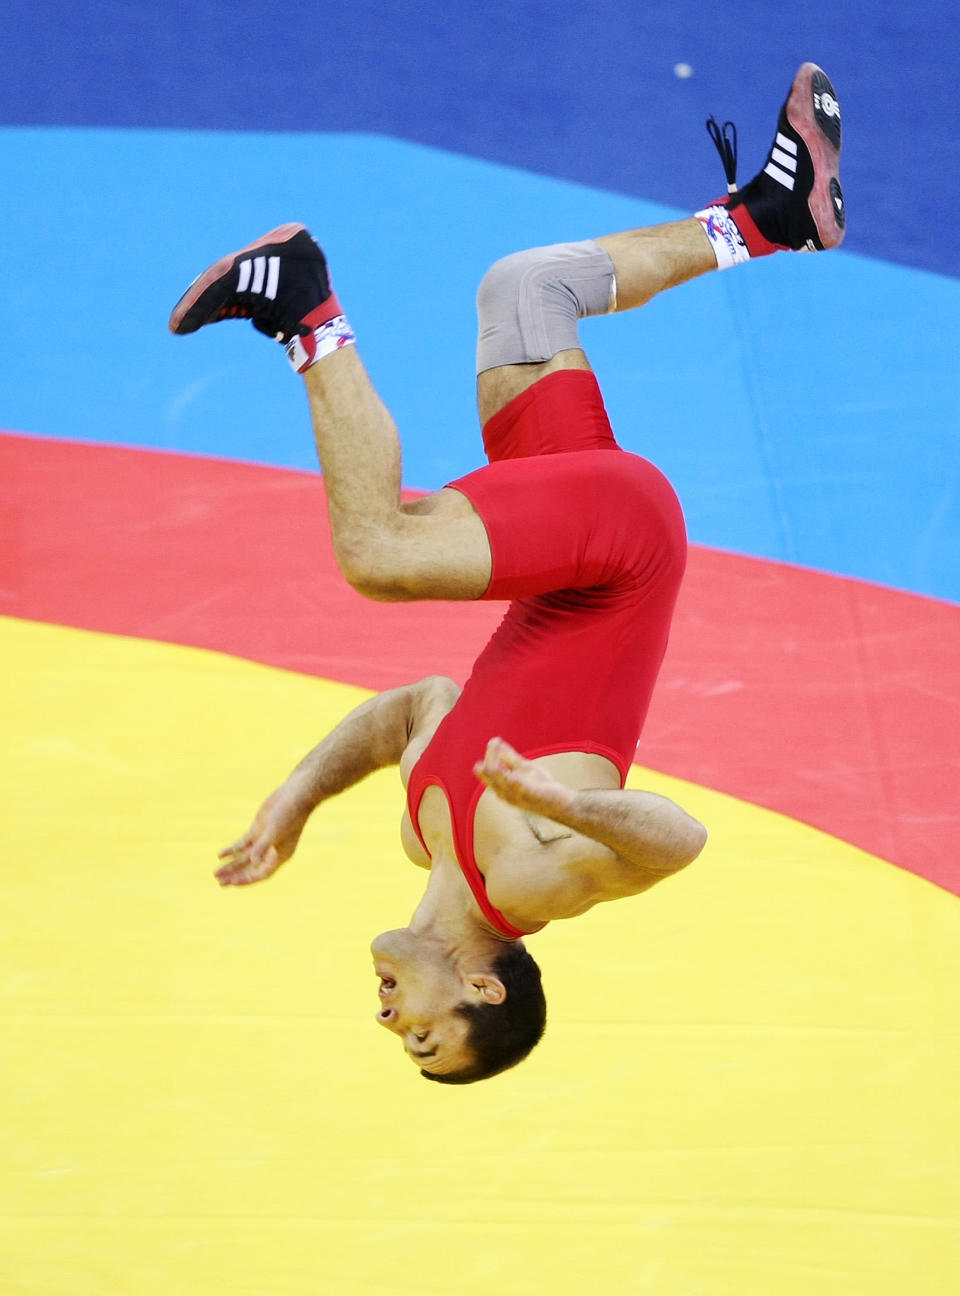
x=749, y=1077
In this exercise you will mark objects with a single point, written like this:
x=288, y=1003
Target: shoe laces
x=724, y=137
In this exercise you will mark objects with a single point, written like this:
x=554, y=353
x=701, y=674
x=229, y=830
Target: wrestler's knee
x=529, y=303
x=362, y=562
x=432, y=547
x=501, y=283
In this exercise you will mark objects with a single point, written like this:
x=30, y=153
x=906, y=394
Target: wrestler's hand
x=270, y=842
x=521, y=782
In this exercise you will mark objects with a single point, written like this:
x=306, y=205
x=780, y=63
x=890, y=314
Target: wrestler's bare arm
x=649, y=836
x=376, y=734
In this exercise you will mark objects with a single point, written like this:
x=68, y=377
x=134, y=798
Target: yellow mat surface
x=748, y=1083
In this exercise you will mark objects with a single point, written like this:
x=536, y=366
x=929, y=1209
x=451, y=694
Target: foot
x=796, y=200
x=279, y=282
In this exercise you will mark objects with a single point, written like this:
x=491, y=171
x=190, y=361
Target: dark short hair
x=501, y=1035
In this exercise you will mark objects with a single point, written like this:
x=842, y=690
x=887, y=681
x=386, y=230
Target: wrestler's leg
x=795, y=202
x=435, y=548
x=530, y=304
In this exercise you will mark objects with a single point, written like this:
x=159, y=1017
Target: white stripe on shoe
x=784, y=159
x=784, y=177
x=253, y=273
x=782, y=163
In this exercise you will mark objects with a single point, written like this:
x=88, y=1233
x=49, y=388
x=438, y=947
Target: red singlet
x=588, y=542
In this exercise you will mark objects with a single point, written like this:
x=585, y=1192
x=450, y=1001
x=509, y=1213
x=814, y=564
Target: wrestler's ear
x=487, y=987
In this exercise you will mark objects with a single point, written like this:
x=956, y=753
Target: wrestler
x=516, y=803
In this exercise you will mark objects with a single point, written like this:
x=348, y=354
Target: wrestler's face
x=420, y=988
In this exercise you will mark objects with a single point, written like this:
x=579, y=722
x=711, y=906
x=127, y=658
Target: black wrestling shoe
x=279, y=282
x=796, y=201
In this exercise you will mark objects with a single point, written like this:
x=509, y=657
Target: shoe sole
x=282, y=234
x=814, y=113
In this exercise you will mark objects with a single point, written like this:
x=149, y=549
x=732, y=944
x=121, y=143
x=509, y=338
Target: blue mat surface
x=587, y=94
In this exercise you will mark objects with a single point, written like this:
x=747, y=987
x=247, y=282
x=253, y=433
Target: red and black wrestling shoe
x=796, y=201
x=279, y=282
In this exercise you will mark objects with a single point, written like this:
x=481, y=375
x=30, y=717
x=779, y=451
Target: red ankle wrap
x=757, y=245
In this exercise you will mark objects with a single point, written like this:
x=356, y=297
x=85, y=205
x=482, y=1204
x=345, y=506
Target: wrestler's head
x=458, y=1024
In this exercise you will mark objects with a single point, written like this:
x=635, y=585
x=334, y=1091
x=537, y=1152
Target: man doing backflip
x=515, y=786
